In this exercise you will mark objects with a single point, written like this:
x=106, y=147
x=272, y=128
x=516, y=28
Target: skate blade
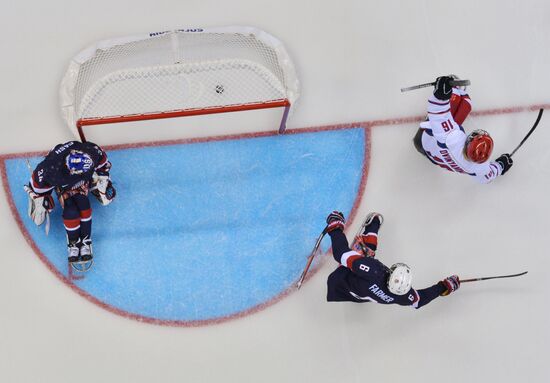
x=82, y=266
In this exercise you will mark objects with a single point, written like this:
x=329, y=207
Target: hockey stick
x=47, y=227
x=310, y=258
x=499, y=276
x=452, y=83
x=529, y=133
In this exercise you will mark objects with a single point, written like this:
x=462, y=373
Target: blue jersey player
x=363, y=278
x=73, y=170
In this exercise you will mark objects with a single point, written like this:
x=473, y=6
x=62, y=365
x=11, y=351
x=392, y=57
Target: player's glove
x=39, y=206
x=505, y=161
x=451, y=284
x=442, y=88
x=335, y=220
x=103, y=189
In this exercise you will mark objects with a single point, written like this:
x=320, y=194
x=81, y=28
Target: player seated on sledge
x=363, y=278
x=443, y=141
x=73, y=170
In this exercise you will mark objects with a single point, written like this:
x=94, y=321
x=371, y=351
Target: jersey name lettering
x=450, y=161
x=380, y=294
x=62, y=148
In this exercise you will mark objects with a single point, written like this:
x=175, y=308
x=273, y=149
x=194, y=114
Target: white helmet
x=400, y=279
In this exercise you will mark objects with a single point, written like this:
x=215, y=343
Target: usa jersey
x=364, y=279
x=443, y=141
x=52, y=172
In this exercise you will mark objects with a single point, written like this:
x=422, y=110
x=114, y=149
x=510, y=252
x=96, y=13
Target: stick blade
x=428, y=84
x=460, y=82
x=495, y=277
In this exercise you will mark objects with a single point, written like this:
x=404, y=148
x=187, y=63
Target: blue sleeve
x=427, y=295
x=339, y=244
x=39, y=182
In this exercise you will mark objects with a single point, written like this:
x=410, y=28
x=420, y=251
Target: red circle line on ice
x=367, y=125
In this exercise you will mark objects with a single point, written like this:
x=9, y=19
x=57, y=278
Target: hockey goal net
x=177, y=73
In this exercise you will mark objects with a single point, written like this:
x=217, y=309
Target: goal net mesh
x=142, y=77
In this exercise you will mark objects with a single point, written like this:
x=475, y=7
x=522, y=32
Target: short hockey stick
x=486, y=278
x=47, y=227
x=452, y=82
x=529, y=133
x=310, y=258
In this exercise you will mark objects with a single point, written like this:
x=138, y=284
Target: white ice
x=352, y=57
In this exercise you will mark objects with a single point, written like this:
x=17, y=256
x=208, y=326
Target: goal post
x=184, y=72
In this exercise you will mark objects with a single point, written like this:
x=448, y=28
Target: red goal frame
x=283, y=103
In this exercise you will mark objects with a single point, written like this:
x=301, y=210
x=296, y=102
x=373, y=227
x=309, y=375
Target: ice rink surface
x=352, y=58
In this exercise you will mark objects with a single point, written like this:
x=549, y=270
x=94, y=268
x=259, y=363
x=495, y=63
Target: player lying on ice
x=73, y=169
x=443, y=141
x=363, y=278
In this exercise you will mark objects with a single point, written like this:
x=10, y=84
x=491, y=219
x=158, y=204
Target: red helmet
x=479, y=146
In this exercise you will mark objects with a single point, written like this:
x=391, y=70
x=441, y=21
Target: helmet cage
x=78, y=162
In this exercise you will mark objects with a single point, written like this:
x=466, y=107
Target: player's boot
x=372, y=223
x=371, y=218
x=80, y=255
x=74, y=251
x=86, y=254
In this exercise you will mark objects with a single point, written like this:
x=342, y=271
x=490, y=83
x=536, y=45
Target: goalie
x=73, y=170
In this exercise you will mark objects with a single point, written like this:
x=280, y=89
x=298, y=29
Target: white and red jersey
x=444, y=139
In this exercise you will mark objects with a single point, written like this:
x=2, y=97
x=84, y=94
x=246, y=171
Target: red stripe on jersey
x=351, y=259
x=445, y=111
x=102, y=162
x=34, y=183
x=86, y=213
x=72, y=224
x=370, y=239
x=37, y=188
x=438, y=103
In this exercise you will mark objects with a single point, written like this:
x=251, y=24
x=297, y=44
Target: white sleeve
x=441, y=120
x=487, y=171
x=437, y=107
x=483, y=173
